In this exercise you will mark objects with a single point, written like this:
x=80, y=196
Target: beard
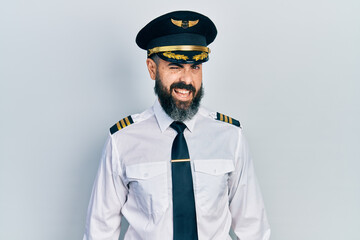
x=178, y=110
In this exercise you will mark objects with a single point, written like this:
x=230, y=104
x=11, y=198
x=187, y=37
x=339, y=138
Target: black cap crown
x=181, y=36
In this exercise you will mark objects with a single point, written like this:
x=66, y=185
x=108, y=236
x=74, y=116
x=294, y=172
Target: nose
x=186, y=76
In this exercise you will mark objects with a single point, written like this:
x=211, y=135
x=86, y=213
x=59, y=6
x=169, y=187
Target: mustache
x=183, y=86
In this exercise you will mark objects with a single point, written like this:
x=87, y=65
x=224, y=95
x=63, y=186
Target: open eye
x=196, y=67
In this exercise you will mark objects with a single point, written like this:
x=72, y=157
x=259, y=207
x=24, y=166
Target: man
x=177, y=171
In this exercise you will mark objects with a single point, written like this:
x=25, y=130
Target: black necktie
x=184, y=213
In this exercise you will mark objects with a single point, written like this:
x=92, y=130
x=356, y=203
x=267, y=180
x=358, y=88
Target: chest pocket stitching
x=146, y=170
x=214, y=166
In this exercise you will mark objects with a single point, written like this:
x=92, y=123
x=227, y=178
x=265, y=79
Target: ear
x=151, y=65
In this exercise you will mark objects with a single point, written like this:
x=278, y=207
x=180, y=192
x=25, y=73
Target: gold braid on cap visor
x=178, y=48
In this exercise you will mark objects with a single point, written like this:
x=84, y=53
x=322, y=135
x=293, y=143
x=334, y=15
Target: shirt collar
x=164, y=120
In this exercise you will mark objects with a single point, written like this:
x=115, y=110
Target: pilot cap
x=180, y=37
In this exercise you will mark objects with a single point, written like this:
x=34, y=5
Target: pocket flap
x=146, y=170
x=214, y=166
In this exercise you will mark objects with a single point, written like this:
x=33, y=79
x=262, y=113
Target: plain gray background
x=288, y=70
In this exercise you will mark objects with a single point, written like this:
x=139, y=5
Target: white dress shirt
x=134, y=180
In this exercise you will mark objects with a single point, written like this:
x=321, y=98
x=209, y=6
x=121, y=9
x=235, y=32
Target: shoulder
x=130, y=120
x=219, y=118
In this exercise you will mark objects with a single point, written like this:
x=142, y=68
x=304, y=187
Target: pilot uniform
x=134, y=177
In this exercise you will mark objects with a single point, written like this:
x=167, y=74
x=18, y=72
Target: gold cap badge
x=184, y=24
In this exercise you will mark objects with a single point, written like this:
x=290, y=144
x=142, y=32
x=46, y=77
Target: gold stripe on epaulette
x=227, y=119
x=127, y=121
x=121, y=124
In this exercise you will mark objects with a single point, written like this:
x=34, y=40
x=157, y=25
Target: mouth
x=182, y=94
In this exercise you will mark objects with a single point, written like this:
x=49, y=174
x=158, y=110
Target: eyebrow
x=176, y=64
x=181, y=66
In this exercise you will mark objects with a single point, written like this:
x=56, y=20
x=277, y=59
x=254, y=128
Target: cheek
x=164, y=78
x=198, y=81
x=169, y=79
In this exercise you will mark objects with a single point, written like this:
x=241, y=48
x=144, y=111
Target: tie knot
x=178, y=126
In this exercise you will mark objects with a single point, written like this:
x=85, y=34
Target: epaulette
x=121, y=124
x=224, y=118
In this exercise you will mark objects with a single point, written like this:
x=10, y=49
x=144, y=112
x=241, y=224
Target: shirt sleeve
x=107, y=198
x=249, y=220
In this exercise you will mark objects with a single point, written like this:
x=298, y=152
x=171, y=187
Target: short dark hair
x=155, y=58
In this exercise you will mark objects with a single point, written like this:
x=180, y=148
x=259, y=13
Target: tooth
x=183, y=91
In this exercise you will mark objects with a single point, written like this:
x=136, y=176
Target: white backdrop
x=288, y=70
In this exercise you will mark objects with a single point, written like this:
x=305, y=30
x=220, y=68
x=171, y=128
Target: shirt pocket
x=211, y=186
x=148, y=185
